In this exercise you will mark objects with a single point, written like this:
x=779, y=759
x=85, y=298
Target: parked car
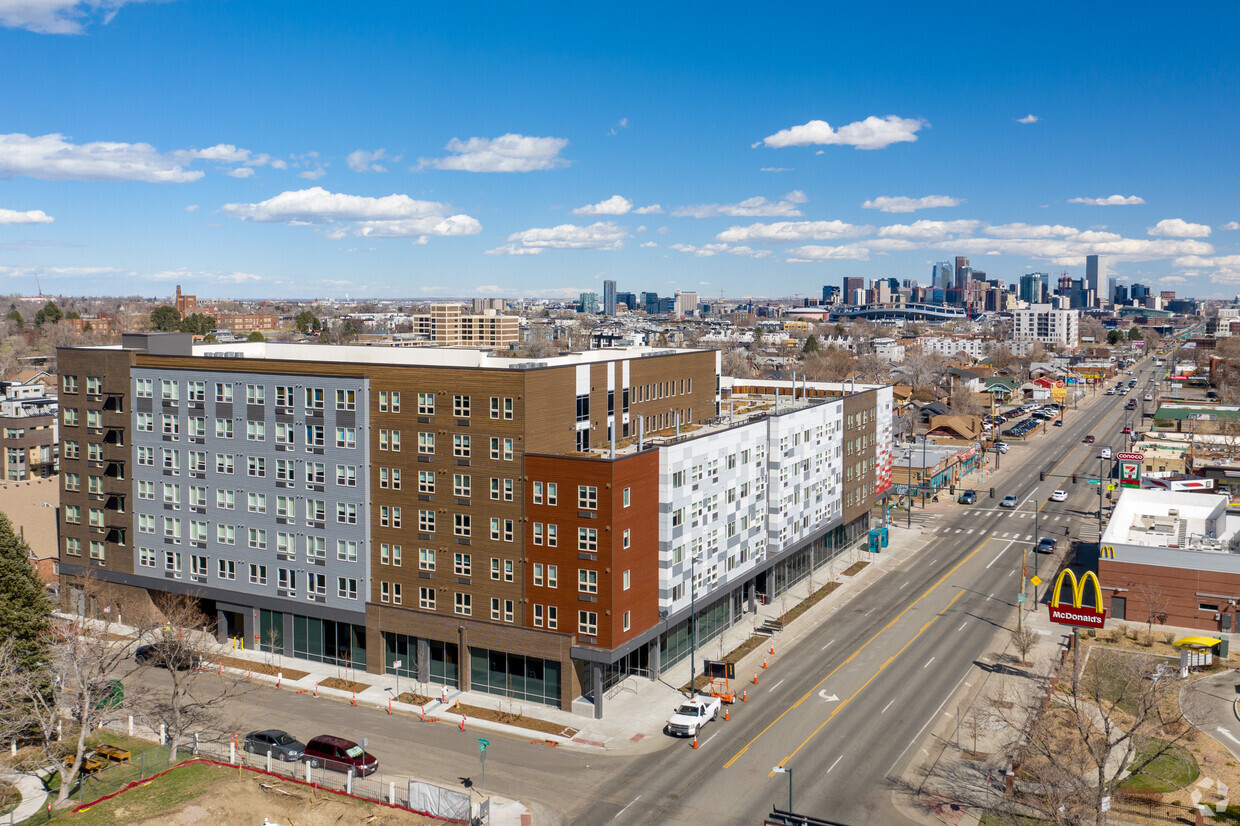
x=689, y=717
x=1001, y=447
x=281, y=744
x=1058, y=423
x=1046, y=545
x=1149, y=397
x=167, y=656
x=1009, y=501
x=1110, y=391
x=1059, y=495
x=967, y=497
x=340, y=755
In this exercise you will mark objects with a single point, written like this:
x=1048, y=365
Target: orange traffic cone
x=353, y=701
x=744, y=695
x=772, y=648
x=764, y=662
x=462, y=722
x=755, y=678
x=695, y=741
x=389, y=705
x=725, y=715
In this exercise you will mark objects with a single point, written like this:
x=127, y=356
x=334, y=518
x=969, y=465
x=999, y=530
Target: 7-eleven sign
x=1130, y=473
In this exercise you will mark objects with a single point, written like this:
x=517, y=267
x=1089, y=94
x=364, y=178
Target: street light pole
x=692, y=620
x=787, y=771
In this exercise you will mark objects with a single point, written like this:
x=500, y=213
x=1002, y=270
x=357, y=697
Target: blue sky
x=314, y=149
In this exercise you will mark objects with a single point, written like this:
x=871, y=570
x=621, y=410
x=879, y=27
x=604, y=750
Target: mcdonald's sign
x=1077, y=614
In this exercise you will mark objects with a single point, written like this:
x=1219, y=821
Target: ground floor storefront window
x=442, y=666
x=328, y=641
x=515, y=675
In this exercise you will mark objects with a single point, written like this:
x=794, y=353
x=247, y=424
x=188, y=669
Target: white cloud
x=58, y=16
x=1028, y=119
x=221, y=153
x=756, y=207
x=602, y=235
x=507, y=153
x=623, y=123
x=775, y=169
x=902, y=203
x=817, y=252
x=29, y=270
x=53, y=158
x=928, y=230
x=392, y=216
x=708, y=250
x=1172, y=280
x=649, y=244
x=192, y=208
x=360, y=160
x=1231, y=225
x=1071, y=250
x=32, y=216
x=1110, y=200
x=1178, y=228
x=241, y=172
x=615, y=205
x=653, y=209
x=871, y=133
x=1020, y=230
x=793, y=232
x=312, y=174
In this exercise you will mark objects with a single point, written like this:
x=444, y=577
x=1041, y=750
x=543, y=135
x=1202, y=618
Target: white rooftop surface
x=1163, y=519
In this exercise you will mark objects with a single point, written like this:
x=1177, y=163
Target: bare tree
x=189, y=698
x=1078, y=749
x=833, y=364
x=1156, y=603
x=1024, y=640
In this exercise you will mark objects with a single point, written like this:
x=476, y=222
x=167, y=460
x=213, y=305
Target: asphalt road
x=850, y=703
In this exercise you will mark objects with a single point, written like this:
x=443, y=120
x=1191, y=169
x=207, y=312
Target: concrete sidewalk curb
x=34, y=796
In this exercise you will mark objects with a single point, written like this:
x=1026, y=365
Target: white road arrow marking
x=831, y=698
x=1227, y=734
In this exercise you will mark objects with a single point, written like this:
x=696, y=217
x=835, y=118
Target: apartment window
x=316, y=510
x=255, y=394
x=284, y=397
x=96, y=517
x=553, y=576
x=346, y=513
x=314, y=398
x=315, y=436
x=426, y=404
x=463, y=604
x=197, y=496
x=227, y=569
x=70, y=385
x=73, y=546
x=495, y=408
x=73, y=481
x=72, y=448
x=538, y=493
x=426, y=559
x=509, y=570
x=627, y=623
x=538, y=533
x=196, y=391
x=346, y=588
x=587, y=539
x=383, y=401
x=286, y=545
x=258, y=574
x=346, y=437
x=625, y=581
x=460, y=407
x=587, y=497
x=172, y=494
x=146, y=523
x=538, y=573
x=143, y=422
x=223, y=392
x=508, y=407
x=426, y=598
x=170, y=425
x=627, y=538
x=384, y=515
x=172, y=563
x=286, y=581
x=172, y=459
x=256, y=466
x=316, y=547
x=94, y=484
x=346, y=550
x=285, y=470
x=258, y=538
x=316, y=473
x=461, y=564
x=346, y=399
x=552, y=493
x=395, y=401
x=316, y=586
x=553, y=534
x=346, y=475
x=626, y=497
x=462, y=524
x=197, y=426
x=225, y=499
x=426, y=521
x=226, y=534
x=461, y=485
x=426, y=481
x=587, y=581
x=146, y=557
x=587, y=623
x=553, y=620
x=426, y=443
x=94, y=418
x=583, y=408
x=538, y=615
x=396, y=441
x=255, y=431
x=145, y=455
x=460, y=446
x=385, y=592
x=224, y=463
x=94, y=385
x=495, y=614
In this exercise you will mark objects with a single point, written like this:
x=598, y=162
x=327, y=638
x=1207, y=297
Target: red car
x=340, y=755
x=1089, y=440
x=1127, y=429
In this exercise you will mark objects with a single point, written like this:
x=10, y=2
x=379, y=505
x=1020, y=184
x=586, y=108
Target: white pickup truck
x=689, y=717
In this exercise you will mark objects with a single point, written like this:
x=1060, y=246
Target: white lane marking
x=828, y=645
x=838, y=759
x=1010, y=573
x=933, y=717
x=970, y=530
x=989, y=597
x=928, y=662
x=996, y=559
x=1227, y=734
x=1006, y=534
x=777, y=685
x=1028, y=537
x=962, y=625
x=707, y=740
x=902, y=587
x=958, y=530
x=830, y=698
x=933, y=561
x=884, y=711
x=626, y=808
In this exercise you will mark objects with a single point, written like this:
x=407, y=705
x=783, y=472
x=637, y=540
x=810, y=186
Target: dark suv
x=340, y=755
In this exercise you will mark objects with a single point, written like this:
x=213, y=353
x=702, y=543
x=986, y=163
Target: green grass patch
x=166, y=794
x=1170, y=771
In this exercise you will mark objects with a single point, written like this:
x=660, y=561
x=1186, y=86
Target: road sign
x=1136, y=457
x=1020, y=597
x=396, y=663
x=1035, y=580
x=483, y=743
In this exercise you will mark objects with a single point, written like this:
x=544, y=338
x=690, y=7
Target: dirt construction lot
x=203, y=794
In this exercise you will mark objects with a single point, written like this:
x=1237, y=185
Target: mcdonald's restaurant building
x=1172, y=554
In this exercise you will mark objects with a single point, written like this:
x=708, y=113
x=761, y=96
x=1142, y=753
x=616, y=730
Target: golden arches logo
x=1107, y=552
x=1078, y=614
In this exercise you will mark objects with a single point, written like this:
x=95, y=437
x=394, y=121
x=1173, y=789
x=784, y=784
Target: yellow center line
x=873, y=676
x=854, y=654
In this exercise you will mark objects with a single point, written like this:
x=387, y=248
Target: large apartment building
x=28, y=441
x=1045, y=324
x=531, y=528
x=448, y=325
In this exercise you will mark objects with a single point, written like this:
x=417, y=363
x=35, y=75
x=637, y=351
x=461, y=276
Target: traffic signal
x=992, y=493
x=1041, y=476
x=1074, y=478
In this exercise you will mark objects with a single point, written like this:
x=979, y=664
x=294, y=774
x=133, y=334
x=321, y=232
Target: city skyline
x=293, y=152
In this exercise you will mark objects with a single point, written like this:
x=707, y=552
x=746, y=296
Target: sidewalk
x=34, y=796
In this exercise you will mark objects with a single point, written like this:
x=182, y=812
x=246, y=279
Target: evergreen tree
x=24, y=608
x=165, y=319
x=811, y=344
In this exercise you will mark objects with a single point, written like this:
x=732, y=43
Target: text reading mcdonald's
x=1078, y=614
